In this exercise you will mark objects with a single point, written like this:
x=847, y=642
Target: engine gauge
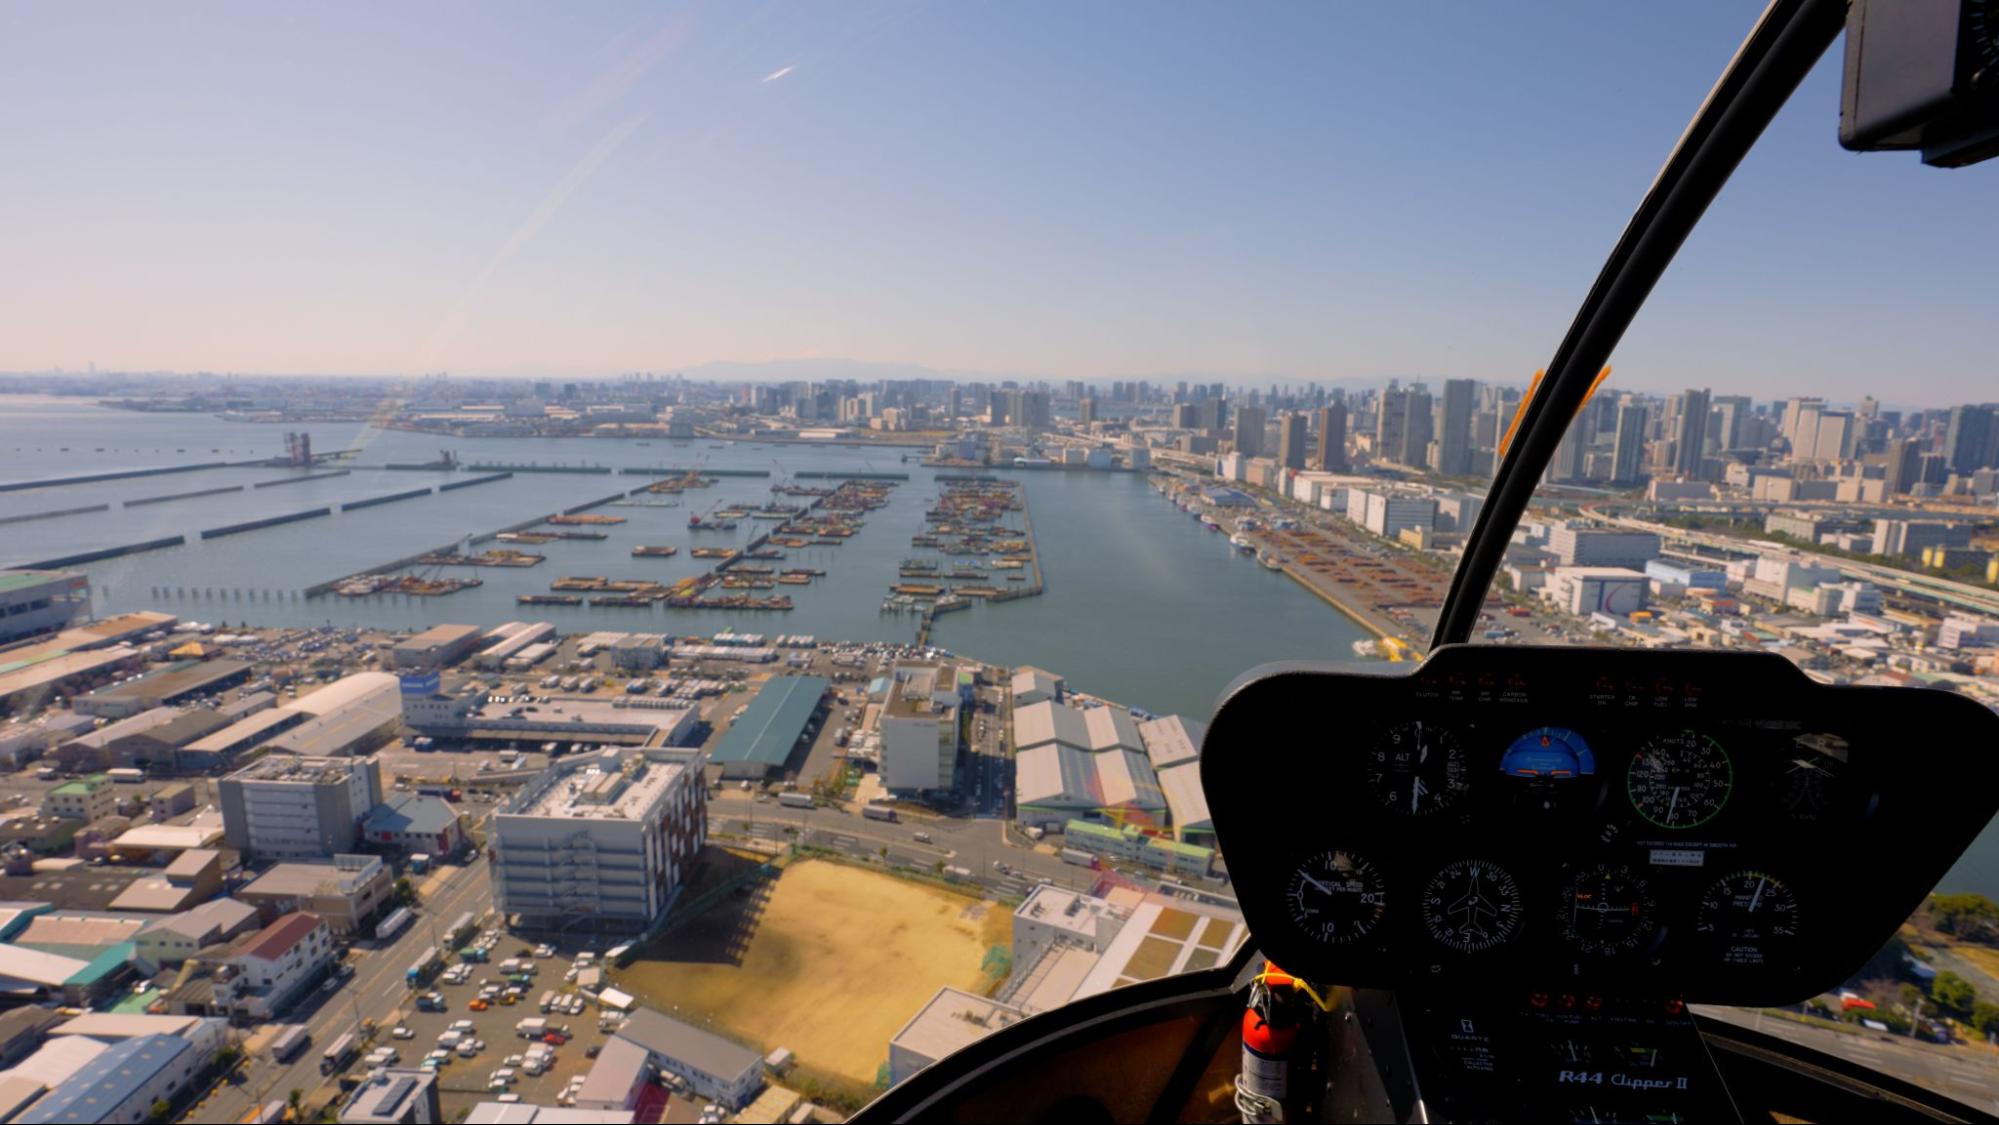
x=1811, y=774
x=1471, y=905
x=1680, y=779
x=1748, y=920
x=1417, y=768
x=1336, y=897
x=1607, y=910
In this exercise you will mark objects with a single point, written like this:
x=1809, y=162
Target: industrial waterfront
x=1129, y=578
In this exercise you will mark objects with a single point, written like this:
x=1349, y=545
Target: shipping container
x=290, y=1042
x=795, y=800
x=878, y=812
x=337, y=1055
x=1078, y=857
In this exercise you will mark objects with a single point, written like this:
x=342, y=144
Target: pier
x=375, y=501
x=668, y=472
x=268, y=521
x=106, y=553
x=49, y=515
x=599, y=470
x=455, y=485
x=144, y=500
x=121, y=474
x=303, y=479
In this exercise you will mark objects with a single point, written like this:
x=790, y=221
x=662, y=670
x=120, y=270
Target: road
x=376, y=990
x=1967, y=1072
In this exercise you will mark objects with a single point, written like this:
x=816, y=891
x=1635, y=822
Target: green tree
x=1953, y=994
x=160, y=1110
x=1965, y=915
x=1985, y=1017
x=1910, y=995
x=405, y=891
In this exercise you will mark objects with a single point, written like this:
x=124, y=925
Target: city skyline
x=617, y=189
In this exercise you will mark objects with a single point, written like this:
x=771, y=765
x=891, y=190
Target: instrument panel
x=1711, y=826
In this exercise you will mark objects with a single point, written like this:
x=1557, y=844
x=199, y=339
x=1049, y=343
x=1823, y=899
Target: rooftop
x=104, y=1082
x=407, y=813
x=387, y=1095
x=615, y=785
x=11, y=580
x=704, y=1050
x=296, y=769
x=776, y=717
x=951, y=1020
x=278, y=938
x=317, y=877
x=438, y=636
x=1172, y=739
x=174, y=680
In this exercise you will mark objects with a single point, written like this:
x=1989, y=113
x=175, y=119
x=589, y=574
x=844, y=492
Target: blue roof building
x=121, y=1084
x=759, y=743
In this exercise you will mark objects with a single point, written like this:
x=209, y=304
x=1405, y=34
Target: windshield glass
x=737, y=515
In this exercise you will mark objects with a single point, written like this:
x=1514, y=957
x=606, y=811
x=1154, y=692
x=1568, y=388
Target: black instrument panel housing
x=1905, y=780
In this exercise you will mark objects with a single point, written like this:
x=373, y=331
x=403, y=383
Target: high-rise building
x=1904, y=466
x=919, y=730
x=1391, y=423
x=1418, y=427
x=1086, y=410
x=1726, y=424
x=1333, y=439
x=600, y=841
x=1249, y=424
x=1186, y=416
x=1690, y=432
x=1291, y=441
x=1034, y=413
x=1627, y=458
x=1454, y=413
x=1967, y=443
x=1837, y=434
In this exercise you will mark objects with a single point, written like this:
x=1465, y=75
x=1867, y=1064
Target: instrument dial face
x=1336, y=897
x=1417, y=768
x=1471, y=906
x=1748, y=920
x=1680, y=780
x=1607, y=910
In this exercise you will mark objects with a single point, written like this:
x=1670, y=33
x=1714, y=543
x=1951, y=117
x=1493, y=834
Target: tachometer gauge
x=1680, y=780
x=1607, y=910
x=1336, y=897
x=1748, y=920
x=1417, y=768
x=1471, y=905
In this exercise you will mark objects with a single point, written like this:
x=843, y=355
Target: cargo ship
x=548, y=599
x=644, y=552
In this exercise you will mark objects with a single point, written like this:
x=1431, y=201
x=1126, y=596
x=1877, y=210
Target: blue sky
x=1329, y=190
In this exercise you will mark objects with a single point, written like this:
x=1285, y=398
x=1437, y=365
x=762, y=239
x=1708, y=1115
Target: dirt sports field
x=827, y=960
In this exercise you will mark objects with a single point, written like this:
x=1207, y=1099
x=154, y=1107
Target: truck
x=795, y=800
x=957, y=873
x=394, y=924
x=1078, y=857
x=126, y=775
x=534, y=1027
x=425, y=968
x=289, y=1042
x=337, y=1055
x=878, y=812
x=460, y=929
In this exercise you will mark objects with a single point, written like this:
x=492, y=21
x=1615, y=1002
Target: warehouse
x=713, y=1066
x=437, y=647
x=148, y=740
x=760, y=743
x=1055, y=782
x=177, y=683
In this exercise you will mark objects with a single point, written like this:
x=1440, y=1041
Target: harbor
x=1104, y=545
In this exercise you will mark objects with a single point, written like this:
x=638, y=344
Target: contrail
x=774, y=75
x=537, y=219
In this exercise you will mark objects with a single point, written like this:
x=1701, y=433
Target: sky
x=1286, y=192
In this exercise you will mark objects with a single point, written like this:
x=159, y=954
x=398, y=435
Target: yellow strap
x=1297, y=985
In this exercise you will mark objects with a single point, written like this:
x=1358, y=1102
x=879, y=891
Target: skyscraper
x=1333, y=439
x=1627, y=458
x=1967, y=442
x=1690, y=432
x=1086, y=410
x=1454, y=412
x=1418, y=427
x=1390, y=423
x=1249, y=423
x=1291, y=440
x=1905, y=466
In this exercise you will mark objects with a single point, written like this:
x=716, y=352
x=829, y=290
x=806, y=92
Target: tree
x=1985, y=1017
x=296, y=1099
x=160, y=1110
x=1965, y=915
x=1910, y=995
x=1953, y=994
x=405, y=891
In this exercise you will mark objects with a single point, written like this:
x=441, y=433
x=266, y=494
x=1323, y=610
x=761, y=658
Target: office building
x=283, y=806
x=1584, y=590
x=919, y=726
x=1291, y=440
x=1391, y=419
x=1419, y=427
x=1332, y=439
x=347, y=892
x=600, y=841
x=1967, y=443
x=949, y=1021
x=1627, y=458
x=88, y=799
x=1602, y=546
x=1250, y=422
x=1690, y=432
x=1454, y=415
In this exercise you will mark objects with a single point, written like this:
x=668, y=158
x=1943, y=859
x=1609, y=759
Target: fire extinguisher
x=1270, y=1033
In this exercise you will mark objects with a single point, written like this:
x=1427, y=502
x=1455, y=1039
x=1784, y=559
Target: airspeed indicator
x=1680, y=779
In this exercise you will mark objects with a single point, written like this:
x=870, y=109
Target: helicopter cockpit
x=1507, y=884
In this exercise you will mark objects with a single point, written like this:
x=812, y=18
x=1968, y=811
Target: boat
x=711, y=523
x=646, y=552
x=1270, y=561
x=1242, y=543
x=1366, y=649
